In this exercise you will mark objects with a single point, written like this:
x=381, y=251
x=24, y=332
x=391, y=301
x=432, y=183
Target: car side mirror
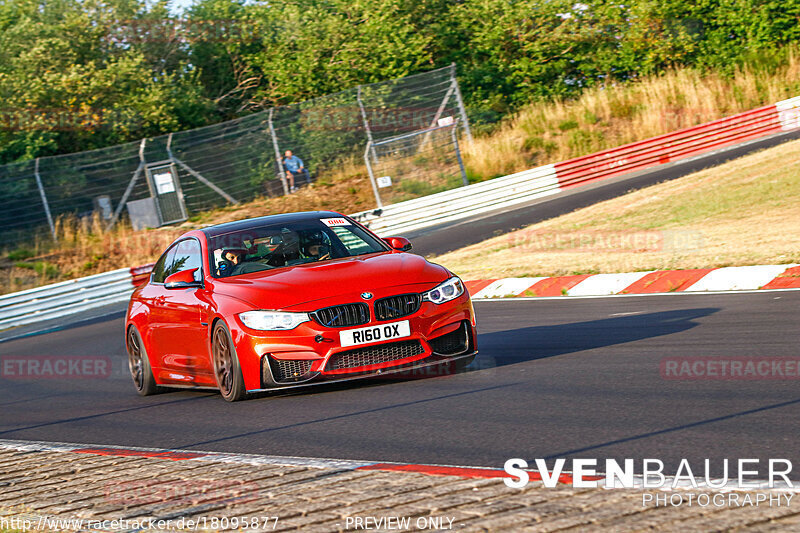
x=398, y=243
x=182, y=280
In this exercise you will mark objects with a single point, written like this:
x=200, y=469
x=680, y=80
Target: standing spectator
x=294, y=167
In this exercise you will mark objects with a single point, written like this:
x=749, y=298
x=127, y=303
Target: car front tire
x=227, y=370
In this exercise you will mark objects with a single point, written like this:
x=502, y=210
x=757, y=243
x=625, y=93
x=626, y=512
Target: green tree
x=316, y=47
x=72, y=77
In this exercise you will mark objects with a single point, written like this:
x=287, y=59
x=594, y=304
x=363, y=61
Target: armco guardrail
x=465, y=202
x=141, y=274
x=670, y=147
x=65, y=298
x=79, y=295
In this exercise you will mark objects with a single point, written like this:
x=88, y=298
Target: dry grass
x=744, y=212
x=611, y=116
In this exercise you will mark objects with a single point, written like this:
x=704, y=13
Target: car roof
x=239, y=225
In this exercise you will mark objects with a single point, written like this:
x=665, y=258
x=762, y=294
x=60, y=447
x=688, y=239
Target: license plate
x=384, y=332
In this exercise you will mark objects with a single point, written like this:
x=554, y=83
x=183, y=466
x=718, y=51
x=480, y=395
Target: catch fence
x=168, y=178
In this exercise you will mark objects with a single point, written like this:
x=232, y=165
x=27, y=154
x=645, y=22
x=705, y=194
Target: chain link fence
x=415, y=164
x=172, y=176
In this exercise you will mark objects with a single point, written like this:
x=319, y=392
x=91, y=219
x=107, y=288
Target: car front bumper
x=312, y=349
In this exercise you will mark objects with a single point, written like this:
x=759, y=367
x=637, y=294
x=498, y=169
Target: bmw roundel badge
x=366, y=295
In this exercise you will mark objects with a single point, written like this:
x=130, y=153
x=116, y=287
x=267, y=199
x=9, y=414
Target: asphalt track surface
x=449, y=237
x=554, y=378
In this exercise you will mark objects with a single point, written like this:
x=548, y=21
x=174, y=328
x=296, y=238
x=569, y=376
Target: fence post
x=458, y=153
x=366, y=122
x=44, y=199
x=460, y=101
x=443, y=105
x=129, y=189
x=372, y=175
x=278, y=160
x=439, y=112
x=197, y=175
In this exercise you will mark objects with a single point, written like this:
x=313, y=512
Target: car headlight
x=272, y=320
x=444, y=292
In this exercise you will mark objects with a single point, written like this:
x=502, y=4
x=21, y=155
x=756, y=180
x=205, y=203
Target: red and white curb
x=744, y=278
x=344, y=464
x=78, y=296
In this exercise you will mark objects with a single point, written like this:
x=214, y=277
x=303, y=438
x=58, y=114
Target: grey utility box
x=143, y=213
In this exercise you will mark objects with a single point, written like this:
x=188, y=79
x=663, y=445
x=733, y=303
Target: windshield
x=288, y=244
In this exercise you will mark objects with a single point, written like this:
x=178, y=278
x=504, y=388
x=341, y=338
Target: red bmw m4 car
x=293, y=300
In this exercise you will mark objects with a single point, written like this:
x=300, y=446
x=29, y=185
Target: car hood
x=346, y=279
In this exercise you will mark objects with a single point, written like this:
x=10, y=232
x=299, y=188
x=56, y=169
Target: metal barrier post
x=279, y=161
x=129, y=189
x=458, y=153
x=366, y=122
x=439, y=111
x=460, y=102
x=443, y=105
x=372, y=175
x=197, y=175
x=44, y=199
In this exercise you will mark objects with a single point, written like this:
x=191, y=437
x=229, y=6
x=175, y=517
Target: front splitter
x=428, y=362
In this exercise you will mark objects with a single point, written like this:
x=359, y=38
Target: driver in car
x=317, y=246
x=230, y=258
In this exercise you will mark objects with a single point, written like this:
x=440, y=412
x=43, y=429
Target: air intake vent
x=397, y=306
x=382, y=353
x=341, y=316
x=291, y=370
x=453, y=343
